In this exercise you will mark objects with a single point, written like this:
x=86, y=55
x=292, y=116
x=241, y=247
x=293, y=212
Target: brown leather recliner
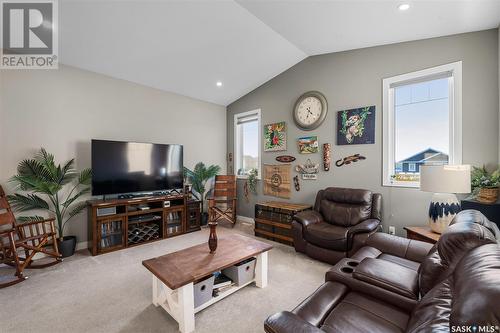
x=461, y=288
x=339, y=224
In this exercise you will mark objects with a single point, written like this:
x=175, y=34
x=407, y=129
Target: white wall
x=61, y=110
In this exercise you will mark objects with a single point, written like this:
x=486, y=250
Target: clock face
x=310, y=110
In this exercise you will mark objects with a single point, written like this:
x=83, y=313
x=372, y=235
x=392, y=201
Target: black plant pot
x=67, y=246
x=204, y=219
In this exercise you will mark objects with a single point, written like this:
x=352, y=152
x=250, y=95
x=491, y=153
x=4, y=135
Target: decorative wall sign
x=327, y=159
x=275, y=137
x=285, y=158
x=356, y=126
x=308, y=144
x=349, y=159
x=308, y=170
x=277, y=180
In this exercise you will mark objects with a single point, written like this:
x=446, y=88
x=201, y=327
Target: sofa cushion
x=345, y=207
x=327, y=236
x=388, y=275
x=361, y=313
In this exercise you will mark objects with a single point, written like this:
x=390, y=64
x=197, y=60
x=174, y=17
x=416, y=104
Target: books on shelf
x=221, y=280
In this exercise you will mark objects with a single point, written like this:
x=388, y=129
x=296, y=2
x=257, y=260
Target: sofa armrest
x=365, y=226
x=398, y=246
x=287, y=322
x=389, y=276
x=342, y=273
x=308, y=217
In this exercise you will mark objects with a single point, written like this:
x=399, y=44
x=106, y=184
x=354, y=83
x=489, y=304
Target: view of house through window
x=421, y=127
x=247, y=142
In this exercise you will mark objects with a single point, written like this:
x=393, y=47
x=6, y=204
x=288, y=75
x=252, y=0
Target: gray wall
x=62, y=110
x=354, y=79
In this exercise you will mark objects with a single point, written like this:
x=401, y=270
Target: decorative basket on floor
x=487, y=195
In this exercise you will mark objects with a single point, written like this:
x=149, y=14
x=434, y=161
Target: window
x=247, y=142
x=422, y=122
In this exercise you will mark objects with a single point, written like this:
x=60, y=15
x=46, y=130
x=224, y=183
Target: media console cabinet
x=121, y=223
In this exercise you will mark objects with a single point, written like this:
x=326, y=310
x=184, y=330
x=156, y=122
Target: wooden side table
x=424, y=234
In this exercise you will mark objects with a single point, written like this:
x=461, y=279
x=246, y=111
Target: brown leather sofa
x=339, y=224
x=456, y=284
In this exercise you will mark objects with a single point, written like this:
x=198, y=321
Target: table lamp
x=444, y=181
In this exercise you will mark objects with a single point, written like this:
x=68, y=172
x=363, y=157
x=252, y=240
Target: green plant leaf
x=85, y=177
x=76, y=196
x=27, y=202
x=77, y=209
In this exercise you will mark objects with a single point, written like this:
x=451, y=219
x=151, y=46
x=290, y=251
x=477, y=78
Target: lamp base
x=442, y=210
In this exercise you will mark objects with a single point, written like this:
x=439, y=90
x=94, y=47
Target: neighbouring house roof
x=426, y=155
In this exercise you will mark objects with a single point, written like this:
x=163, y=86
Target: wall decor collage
x=354, y=127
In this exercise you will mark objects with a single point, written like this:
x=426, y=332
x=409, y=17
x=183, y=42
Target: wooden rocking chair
x=222, y=204
x=31, y=237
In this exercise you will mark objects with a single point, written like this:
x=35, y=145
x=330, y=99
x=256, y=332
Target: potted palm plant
x=485, y=184
x=55, y=189
x=198, y=177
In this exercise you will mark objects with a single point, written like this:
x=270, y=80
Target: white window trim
x=412, y=167
x=455, y=97
x=238, y=141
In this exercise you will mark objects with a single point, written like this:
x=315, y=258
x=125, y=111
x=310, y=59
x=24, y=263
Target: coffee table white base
x=179, y=303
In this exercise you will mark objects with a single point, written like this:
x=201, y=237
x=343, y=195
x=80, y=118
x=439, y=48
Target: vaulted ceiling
x=186, y=47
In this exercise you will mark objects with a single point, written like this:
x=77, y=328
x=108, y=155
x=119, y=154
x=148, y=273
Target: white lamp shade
x=445, y=178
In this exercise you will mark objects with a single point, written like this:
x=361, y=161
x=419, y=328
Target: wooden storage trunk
x=273, y=220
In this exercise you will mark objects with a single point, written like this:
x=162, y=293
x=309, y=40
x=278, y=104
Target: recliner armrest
x=365, y=226
x=398, y=246
x=308, y=217
x=286, y=322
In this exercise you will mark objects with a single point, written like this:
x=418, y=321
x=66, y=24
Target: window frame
x=238, y=140
x=455, y=116
x=412, y=167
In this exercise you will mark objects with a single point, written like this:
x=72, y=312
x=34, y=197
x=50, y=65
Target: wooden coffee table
x=174, y=274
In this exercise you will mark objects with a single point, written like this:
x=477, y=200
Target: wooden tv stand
x=121, y=223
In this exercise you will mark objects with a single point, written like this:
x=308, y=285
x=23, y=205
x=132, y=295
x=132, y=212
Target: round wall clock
x=310, y=110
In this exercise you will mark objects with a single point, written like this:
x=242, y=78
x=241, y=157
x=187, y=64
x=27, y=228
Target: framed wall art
x=356, y=126
x=308, y=144
x=275, y=137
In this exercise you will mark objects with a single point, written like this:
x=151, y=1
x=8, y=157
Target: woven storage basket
x=488, y=195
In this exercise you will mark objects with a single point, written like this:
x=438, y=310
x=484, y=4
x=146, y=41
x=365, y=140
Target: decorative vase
x=488, y=195
x=327, y=148
x=212, y=238
x=442, y=210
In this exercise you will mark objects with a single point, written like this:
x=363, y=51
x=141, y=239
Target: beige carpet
x=112, y=292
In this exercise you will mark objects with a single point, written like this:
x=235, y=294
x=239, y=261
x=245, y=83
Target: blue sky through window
x=421, y=118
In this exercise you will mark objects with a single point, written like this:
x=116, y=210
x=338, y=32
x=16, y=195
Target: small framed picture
x=308, y=144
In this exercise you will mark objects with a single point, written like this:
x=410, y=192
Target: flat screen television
x=128, y=167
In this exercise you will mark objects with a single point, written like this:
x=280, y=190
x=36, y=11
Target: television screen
x=127, y=167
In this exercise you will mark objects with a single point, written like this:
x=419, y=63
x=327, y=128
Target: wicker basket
x=488, y=195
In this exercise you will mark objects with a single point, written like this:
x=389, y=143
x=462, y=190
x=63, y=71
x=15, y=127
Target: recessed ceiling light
x=219, y=84
x=404, y=7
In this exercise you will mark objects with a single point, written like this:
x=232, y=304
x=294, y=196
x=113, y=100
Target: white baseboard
x=245, y=219
x=82, y=246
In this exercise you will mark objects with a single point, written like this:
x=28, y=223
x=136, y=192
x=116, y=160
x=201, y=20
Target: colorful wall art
x=356, y=126
x=308, y=144
x=275, y=137
x=277, y=180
